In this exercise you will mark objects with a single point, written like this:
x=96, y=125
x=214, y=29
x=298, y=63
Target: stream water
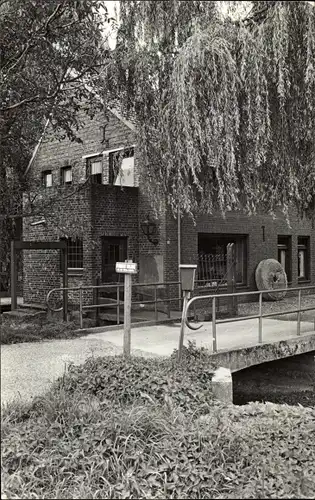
x=290, y=381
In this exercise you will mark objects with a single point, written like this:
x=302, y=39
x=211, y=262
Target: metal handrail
x=115, y=286
x=115, y=303
x=258, y=316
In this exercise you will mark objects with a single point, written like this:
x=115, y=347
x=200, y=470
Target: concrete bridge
x=237, y=343
x=245, y=357
x=29, y=369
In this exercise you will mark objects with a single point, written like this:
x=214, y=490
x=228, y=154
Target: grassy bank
x=18, y=332
x=148, y=429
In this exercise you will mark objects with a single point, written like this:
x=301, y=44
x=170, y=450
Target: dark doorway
x=212, y=256
x=114, y=249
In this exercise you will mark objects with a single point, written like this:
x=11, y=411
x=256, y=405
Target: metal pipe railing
x=116, y=303
x=213, y=297
x=258, y=316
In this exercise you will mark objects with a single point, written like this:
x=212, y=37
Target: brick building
x=102, y=215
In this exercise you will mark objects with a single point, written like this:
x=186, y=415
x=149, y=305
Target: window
x=121, y=167
x=303, y=258
x=75, y=252
x=212, y=257
x=284, y=254
x=95, y=169
x=66, y=175
x=47, y=178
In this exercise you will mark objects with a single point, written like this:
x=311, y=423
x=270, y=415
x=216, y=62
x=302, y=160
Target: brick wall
x=42, y=268
x=90, y=213
x=54, y=154
x=102, y=210
x=114, y=213
x=257, y=249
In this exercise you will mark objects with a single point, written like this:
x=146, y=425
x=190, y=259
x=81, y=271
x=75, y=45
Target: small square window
x=47, y=178
x=66, y=175
x=94, y=169
x=303, y=258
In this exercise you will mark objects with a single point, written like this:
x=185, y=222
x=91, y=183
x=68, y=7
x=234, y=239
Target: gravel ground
x=28, y=370
x=282, y=305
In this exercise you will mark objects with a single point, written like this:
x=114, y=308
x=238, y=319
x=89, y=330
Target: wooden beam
x=65, y=282
x=13, y=277
x=40, y=245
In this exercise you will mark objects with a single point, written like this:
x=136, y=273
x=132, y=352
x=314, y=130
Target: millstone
x=270, y=275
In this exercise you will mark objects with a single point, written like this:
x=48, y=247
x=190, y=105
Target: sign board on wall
x=127, y=267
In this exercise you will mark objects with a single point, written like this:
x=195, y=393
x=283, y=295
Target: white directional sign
x=127, y=267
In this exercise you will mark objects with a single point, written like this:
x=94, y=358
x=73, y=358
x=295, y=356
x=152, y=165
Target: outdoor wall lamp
x=150, y=228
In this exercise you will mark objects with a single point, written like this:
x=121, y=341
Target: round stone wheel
x=270, y=275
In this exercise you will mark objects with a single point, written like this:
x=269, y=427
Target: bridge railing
x=214, y=297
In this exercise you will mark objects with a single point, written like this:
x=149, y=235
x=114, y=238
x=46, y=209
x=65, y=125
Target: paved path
x=163, y=339
x=29, y=369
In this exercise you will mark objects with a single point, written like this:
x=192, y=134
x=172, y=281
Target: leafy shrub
x=136, y=429
x=119, y=382
x=85, y=450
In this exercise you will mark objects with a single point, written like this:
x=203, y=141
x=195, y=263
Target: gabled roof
x=125, y=118
x=127, y=121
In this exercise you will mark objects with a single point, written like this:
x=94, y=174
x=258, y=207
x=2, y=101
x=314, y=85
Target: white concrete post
x=222, y=385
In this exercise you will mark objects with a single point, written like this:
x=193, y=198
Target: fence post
x=168, y=301
x=96, y=301
x=299, y=314
x=260, y=332
x=80, y=308
x=182, y=327
x=214, y=325
x=231, y=265
x=195, y=311
x=118, y=304
x=156, y=314
x=65, y=284
x=13, y=277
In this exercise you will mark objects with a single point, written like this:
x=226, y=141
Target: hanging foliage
x=225, y=109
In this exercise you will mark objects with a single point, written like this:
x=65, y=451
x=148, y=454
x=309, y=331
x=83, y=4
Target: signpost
x=127, y=268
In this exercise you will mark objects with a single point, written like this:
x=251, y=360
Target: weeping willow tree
x=225, y=108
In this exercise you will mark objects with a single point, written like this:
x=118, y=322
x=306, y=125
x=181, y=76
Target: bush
x=33, y=332
x=116, y=381
x=74, y=447
x=136, y=429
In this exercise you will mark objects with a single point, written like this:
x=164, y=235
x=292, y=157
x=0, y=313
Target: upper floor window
x=66, y=175
x=284, y=254
x=121, y=167
x=94, y=169
x=303, y=258
x=47, y=178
